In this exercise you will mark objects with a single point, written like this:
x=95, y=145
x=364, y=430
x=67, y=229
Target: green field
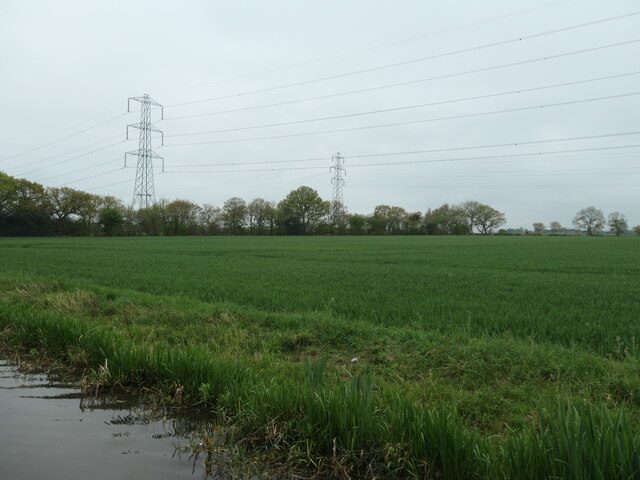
x=477, y=357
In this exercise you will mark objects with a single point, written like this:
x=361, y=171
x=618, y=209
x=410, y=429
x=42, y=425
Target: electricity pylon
x=144, y=191
x=337, y=205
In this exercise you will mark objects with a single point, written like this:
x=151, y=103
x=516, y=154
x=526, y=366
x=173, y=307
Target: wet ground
x=49, y=429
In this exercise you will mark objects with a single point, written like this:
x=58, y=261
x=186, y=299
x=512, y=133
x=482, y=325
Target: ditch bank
x=347, y=428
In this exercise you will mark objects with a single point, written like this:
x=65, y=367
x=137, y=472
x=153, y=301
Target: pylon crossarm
x=150, y=126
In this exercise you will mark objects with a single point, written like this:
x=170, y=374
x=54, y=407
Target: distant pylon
x=144, y=190
x=337, y=205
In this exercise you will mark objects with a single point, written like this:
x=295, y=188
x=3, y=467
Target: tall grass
x=119, y=361
x=309, y=404
x=575, y=442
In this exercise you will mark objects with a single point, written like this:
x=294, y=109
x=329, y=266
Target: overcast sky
x=71, y=65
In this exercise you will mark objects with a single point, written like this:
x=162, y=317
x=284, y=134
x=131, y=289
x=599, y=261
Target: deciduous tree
x=259, y=212
x=488, y=218
x=111, y=220
x=109, y=201
x=234, y=214
x=153, y=220
x=210, y=219
x=64, y=202
x=339, y=218
x=618, y=223
x=182, y=217
x=446, y=220
x=471, y=208
x=590, y=219
x=357, y=224
x=88, y=210
x=301, y=210
x=389, y=220
x=8, y=194
x=555, y=227
x=483, y=218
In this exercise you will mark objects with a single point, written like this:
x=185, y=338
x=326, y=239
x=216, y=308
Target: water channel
x=49, y=429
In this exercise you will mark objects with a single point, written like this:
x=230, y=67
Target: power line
x=94, y=176
x=411, y=82
x=111, y=184
x=417, y=60
x=413, y=122
x=63, y=138
x=324, y=159
x=411, y=162
x=70, y=151
x=502, y=186
x=73, y=158
x=537, y=186
x=46, y=179
x=505, y=174
x=116, y=183
x=297, y=160
x=367, y=49
x=408, y=107
x=415, y=152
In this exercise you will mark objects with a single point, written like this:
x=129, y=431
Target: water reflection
x=51, y=430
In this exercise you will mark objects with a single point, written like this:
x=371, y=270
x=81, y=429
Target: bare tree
x=618, y=223
x=590, y=219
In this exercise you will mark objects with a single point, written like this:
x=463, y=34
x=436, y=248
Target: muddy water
x=50, y=430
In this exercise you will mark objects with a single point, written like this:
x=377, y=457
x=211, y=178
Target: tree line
x=592, y=221
x=28, y=208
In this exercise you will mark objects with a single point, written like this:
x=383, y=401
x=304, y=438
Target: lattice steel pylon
x=144, y=190
x=337, y=204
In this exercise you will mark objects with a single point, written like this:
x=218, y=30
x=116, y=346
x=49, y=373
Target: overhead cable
x=70, y=151
x=93, y=176
x=416, y=60
x=46, y=179
x=411, y=82
x=412, y=162
x=110, y=184
x=63, y=138
x=73, y=158
x=412, y=122
x=415, y=152
x=370, y=48
x=408, y=107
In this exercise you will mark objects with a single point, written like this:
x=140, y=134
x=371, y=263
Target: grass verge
x=365, y=426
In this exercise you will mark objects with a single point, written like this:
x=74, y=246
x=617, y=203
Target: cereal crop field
x=444, y=357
